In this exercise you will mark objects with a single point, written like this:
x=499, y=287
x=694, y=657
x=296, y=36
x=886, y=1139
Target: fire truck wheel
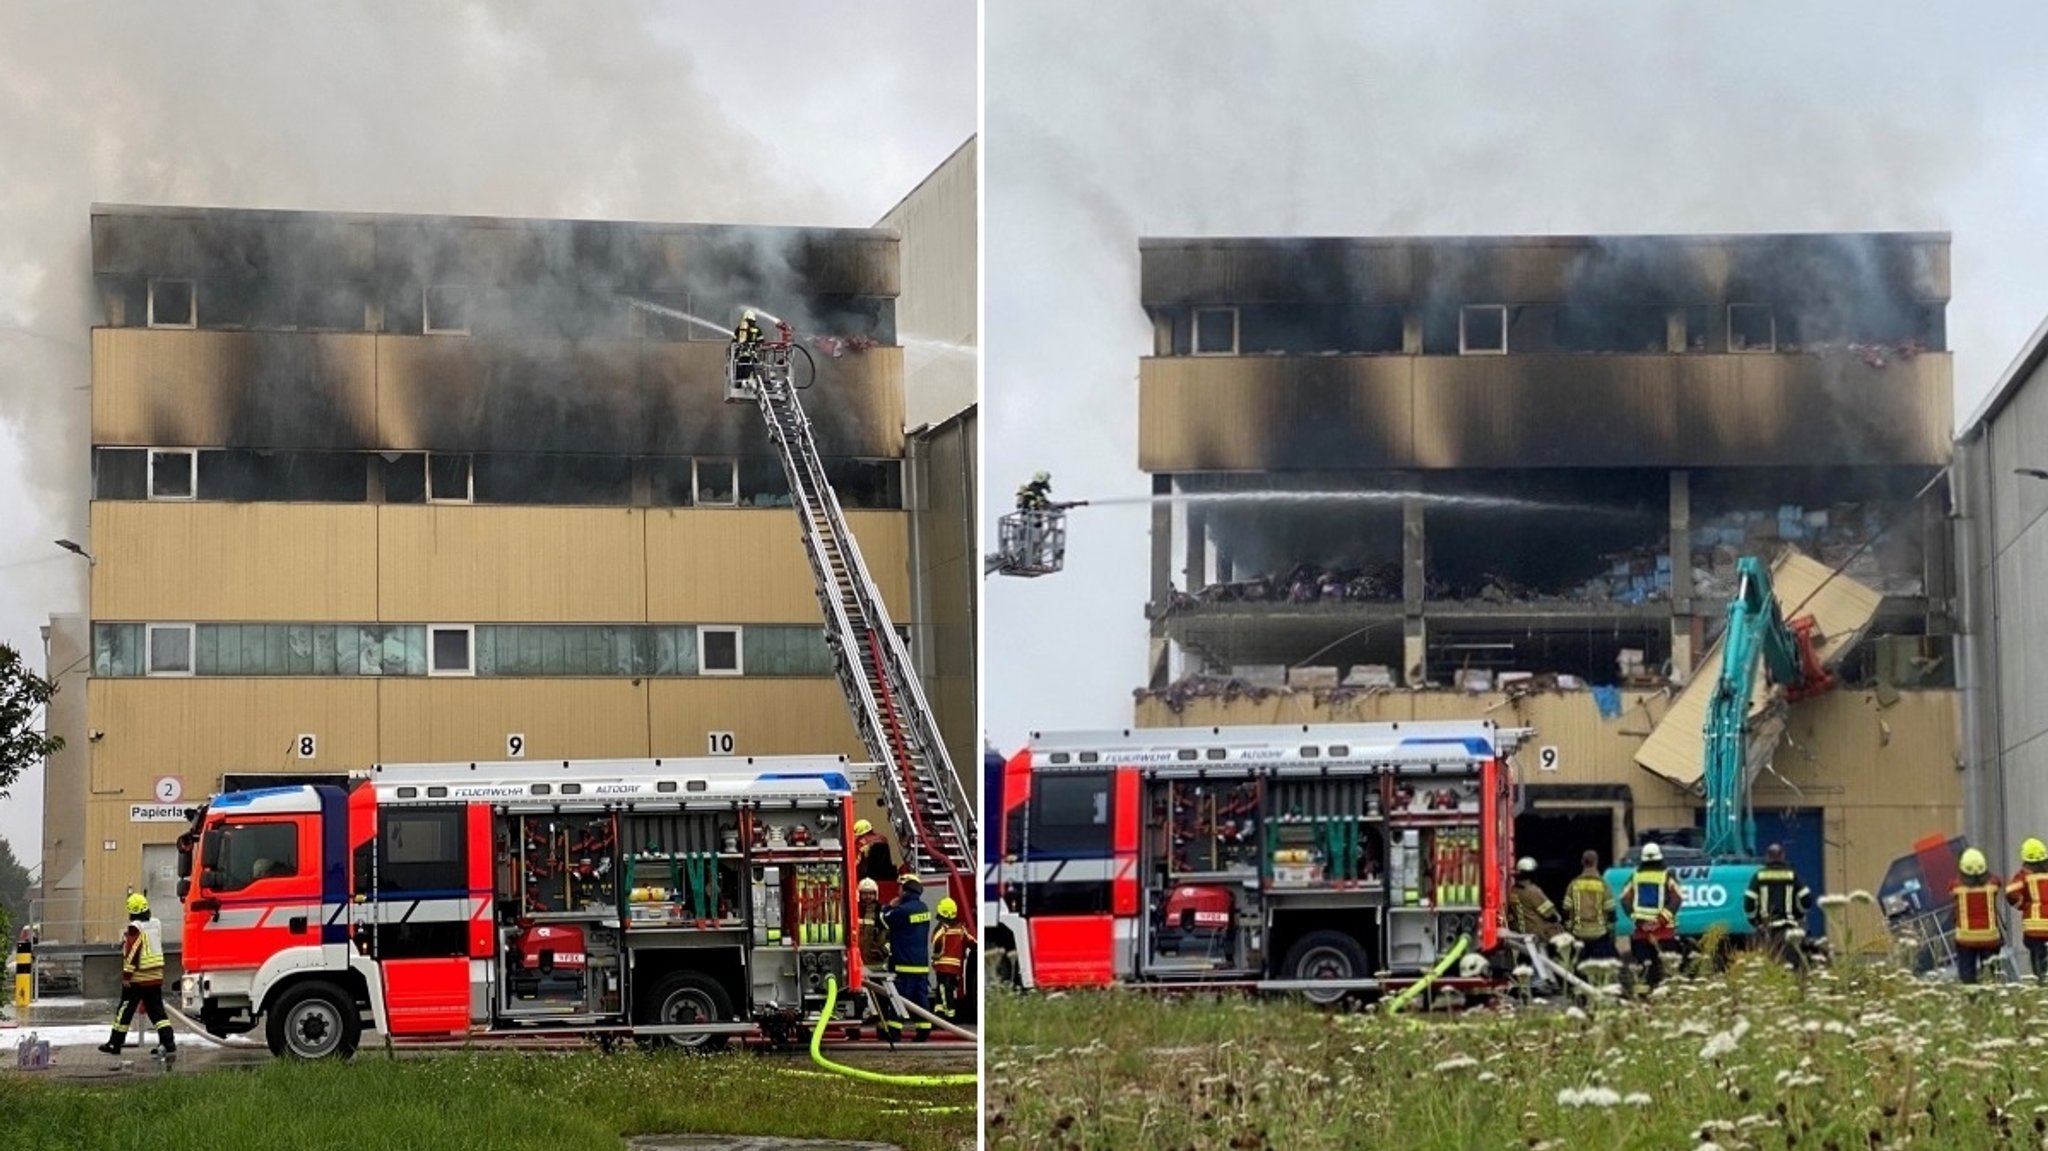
x=689, y=997
x=314, y=1021
x=1325, y=955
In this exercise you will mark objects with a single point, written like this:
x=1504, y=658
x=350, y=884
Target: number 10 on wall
x=721, y=743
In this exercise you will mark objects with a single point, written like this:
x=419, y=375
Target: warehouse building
x=1511, y=477
x=2002, y=479
x=375, y=488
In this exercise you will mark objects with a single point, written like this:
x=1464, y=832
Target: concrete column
x=1674, y=329
x=1162, y=577
x=1196, y=552
x=1411, y=333
x=1681, y=576
x=1226, y=566
x=1414, y=572
x=1938, y=557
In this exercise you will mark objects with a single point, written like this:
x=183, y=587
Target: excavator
x=1715, y=876
x=928, y=809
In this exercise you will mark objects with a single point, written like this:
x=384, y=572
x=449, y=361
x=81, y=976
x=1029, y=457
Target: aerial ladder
x=928, y=808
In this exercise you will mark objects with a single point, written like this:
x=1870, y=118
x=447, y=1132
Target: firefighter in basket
x=142, y=980
x=910, y=951
x=1036, y=496
x=746, y=348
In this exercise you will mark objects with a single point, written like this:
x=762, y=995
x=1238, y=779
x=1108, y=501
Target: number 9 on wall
x=721, y=743
x=515, y=746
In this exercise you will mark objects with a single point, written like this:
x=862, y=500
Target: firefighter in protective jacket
x=746, y=348
x=874, y=958
x=2028, y=891
x=910, y=950
x=1777, y=903
x=1651, y=900
x=1589, y=910
x=1976, y=893
x=1036, y=496
x=142, y=980
x=950, y=945
x=872, y=860
x=1529, y=910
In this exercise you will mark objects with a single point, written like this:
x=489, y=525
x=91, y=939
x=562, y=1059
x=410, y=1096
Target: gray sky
x=804, y=112
x=1106, y=122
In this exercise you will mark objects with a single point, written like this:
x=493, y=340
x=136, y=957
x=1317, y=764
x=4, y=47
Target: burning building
x=373, y=488
x=1510, y=477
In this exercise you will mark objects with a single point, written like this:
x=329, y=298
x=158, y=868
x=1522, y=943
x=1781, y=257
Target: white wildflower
x=1636, y=1099
x=1575, y=1013
x=1459, y=1063
x=1488, y=1077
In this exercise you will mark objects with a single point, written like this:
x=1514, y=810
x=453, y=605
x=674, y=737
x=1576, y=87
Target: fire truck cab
x=1321, y=860
x=682, y=901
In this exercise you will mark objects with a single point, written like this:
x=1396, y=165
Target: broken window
x=449, y=646
x=284, y=477
x=671, y=481
x=1699, y=327
x=870, y=317
x=719, y=651
x=589, y=481
x=120, y=473
x=1612, y=328
x=1181, y=332
x=1483, y=329
x=446, y=310
x=1752, y=328
x=173, y=304
x=332, y=308
x=1310, y=329
x=449, y=478
x=660, y=316
x=405, y=477
x=173, y=474
x=170, y=649
x=675, y=650
x=1215, y=331
x=233, y=302
x=1440, y=330
x=763, y=484
x=717, y=483
x=866, y=483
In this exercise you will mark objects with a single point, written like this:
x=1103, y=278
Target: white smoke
x=1190, y=117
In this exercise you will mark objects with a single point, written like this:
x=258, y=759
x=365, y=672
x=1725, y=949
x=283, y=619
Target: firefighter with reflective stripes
x=1530, y=912
x=874, y=957
x=1651, y=901
x=2028, y=891
x=871, y=859
x=1976, y=893
x=950, y=944
x=1776, y=904
x=909, y=923
x=746, y=348
x=1589, y=910
x=142, y=980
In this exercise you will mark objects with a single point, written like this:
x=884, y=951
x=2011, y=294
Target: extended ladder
x=927, y=806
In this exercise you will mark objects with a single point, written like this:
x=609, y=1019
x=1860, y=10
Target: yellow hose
x=818, y=1055
x=1457, y=950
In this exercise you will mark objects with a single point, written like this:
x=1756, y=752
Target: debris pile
x=1873, y=355
x=837, y=346
x=1301, y=584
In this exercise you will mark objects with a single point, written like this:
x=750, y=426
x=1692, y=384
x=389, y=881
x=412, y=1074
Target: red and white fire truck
x=682, y=901
x=1324, y=860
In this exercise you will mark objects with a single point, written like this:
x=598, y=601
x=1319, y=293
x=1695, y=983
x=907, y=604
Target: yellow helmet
x=138, y=903
x=862, y=827
x=1973, y=863
x=2034, y=851
x=947, y=908
x=749, y=316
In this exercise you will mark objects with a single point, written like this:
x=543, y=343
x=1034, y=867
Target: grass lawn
x=1861, y=1058
x=502, y=1101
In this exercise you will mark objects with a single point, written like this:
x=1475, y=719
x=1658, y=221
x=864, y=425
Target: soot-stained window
x=1752, y=328
x=449, y=478
x=514, y=478
x=285, y=477
x=173, y=304
x=120, y=473
x=1482, y=329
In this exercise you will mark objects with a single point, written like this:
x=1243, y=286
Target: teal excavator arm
x=1757, y=633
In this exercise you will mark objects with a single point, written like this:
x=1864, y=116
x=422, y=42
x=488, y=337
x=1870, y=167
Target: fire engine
x=679, y=901
x=1326, y=860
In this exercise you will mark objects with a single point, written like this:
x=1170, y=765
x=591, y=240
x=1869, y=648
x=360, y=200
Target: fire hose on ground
x=1456, y=952
x=818, y=1056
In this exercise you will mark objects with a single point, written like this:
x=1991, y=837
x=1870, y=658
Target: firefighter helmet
x=2034, y=851
x=1972, y=863
x=870, y=887
x=947, y=909
x=138, y=903
x=862, y=827
x=1652, y=853
x=1775, y=853
x=908, y=878
x=748, y=315
x=1041, y=478
x=1525, y=866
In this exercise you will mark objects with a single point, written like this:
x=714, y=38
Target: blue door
x=1799, y=830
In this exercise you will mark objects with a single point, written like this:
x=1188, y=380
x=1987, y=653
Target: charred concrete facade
x=1500, y=468
x=383, y=489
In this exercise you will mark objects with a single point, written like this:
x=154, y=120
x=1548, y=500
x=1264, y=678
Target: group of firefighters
x=1776, y=905
x=926, y=962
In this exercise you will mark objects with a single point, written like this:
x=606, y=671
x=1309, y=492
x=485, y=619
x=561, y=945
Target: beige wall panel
x=202, y=728
x=248, y=562
x=153, y=387
x=766, y=716
x=110, y=875
x=748, y=565
x=466, y=564
x=453, y=720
